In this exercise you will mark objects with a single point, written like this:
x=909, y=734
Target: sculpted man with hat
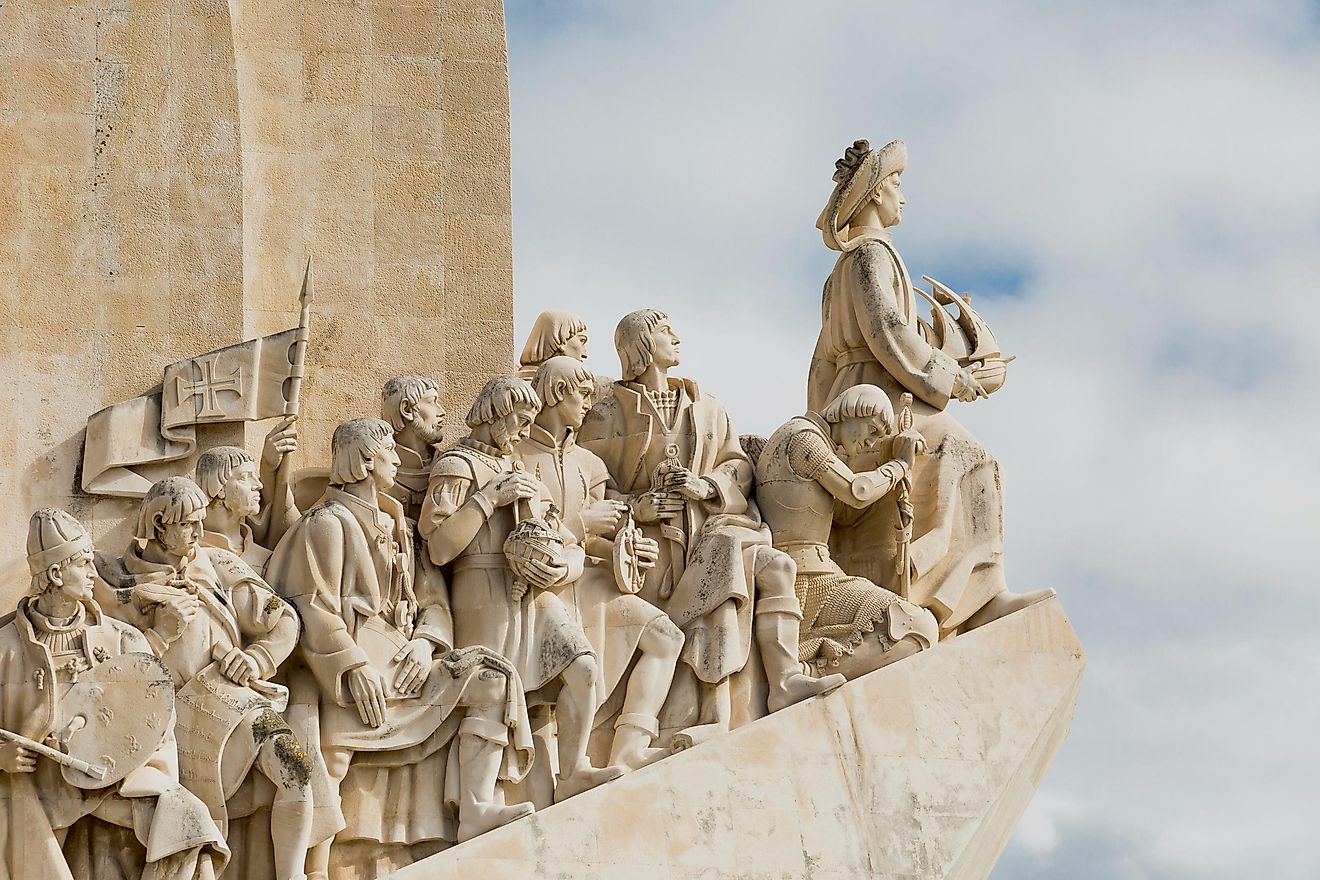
x=236, y=634
x=872, y=334
x=78, y=682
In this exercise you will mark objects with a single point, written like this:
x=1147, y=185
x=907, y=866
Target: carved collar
x=485, y=449
x=221, y=540
x=543, y=438
x=409, y=460
x=820, y=423
x=856, y=232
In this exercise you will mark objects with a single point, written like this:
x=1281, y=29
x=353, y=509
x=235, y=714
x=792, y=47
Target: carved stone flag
x=243, y=382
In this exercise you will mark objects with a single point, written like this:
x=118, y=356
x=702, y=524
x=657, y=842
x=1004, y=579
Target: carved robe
x=171, y=826
x=348, y=570
x=539, y=634
x=247, y=549
x=870, y=335
x=612, y=620
x=712, y=568
x=222, y=725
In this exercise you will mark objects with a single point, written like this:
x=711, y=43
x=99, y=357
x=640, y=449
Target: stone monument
x=598, y=635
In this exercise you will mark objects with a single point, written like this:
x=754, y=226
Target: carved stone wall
x=166, y=166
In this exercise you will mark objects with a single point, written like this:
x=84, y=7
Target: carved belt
x=849, y=357
x=480, y=560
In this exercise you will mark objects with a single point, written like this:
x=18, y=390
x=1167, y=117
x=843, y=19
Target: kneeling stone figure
x=850, y=625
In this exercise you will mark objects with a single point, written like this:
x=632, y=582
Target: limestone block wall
x=166, y=167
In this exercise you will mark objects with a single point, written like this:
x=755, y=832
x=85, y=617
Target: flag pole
x=298, y=356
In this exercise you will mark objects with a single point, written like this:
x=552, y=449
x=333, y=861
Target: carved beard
x=429, y=434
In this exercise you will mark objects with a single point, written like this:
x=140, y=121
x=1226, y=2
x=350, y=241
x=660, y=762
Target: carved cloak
x=180, y=839
x=870, y=335
x=712, y=599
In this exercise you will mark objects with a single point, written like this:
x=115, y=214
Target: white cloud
x=1148, y=172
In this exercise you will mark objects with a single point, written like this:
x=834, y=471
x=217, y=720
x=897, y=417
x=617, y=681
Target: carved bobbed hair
x=550, y=333
x=216, y=465
x=499, y=397
x=352, y=445
x=401, y=390
x=860, y=402
x=557, y=375
x=170, y=500
x=632, y=339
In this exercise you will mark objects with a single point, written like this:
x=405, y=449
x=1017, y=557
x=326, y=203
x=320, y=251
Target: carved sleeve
x=732, y=471
x=808, y=455
x=875, y=288
x=269, y=624
x=309, y=568
x=453, y=512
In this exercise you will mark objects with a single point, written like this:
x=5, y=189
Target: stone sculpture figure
x=676, y=460
x=235, y=633
x=242, y=517
x=411, y=404
x=554, y=334
x=393, y=692
x=468, y=514
x=54, y=644
x=849, y=625
x=871, y=334
x=620, y=626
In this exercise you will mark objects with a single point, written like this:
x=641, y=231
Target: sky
x=1130, y=192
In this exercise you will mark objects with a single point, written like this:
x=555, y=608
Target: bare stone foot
x=1005, y=603
x=481, y=818
x=797, y=688
x=584, y=780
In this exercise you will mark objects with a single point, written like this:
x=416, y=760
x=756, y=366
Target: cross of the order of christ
x=209, y=387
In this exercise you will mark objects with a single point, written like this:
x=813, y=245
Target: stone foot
x=635, y=751
x=796, y=688
x=695, y=736
x=480, y=818
x=584, y=780
x=1004, y=604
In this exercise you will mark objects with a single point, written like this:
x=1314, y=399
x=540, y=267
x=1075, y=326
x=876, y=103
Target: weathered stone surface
x=168, y=167
x=918, y=770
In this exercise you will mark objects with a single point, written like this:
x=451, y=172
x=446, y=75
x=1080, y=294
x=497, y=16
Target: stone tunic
x=870, y=335
x=410, y=481
x=221, y=724
x=838, y=610
x=612, y=620
x=539, y=634
x=170, y=824
x=712, y=571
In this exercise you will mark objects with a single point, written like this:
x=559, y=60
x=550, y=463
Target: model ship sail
x=962, y=334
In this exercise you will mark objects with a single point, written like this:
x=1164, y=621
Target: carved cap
x=53, y=537
x=856, y=176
